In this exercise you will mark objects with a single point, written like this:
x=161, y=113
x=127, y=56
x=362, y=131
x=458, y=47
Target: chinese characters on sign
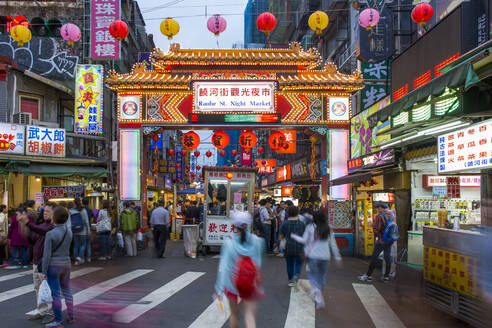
x=235, y=97
x=89, y=99
x=217, y=230
x=377, y=44
x=42, y=141
x=266, y=165
x=63, y=191
x=283, y=173
x=11, y=138
x=290, y=146
x=378, y=159
x=431, y=181
x=103, y=13
x=466, y=149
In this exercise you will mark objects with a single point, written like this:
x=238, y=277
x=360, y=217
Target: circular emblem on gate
x=338, y=108
x=129, y=107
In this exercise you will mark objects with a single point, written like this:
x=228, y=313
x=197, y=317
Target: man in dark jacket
x=37, y=233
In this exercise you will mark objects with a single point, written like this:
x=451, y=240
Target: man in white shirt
x=160, y=223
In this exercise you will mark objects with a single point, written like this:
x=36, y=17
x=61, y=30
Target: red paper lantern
x=422, y=13
x=170, y=152
x=183, y=153
x=191, y=140
x=208, y=153
x=198, y=167
x=277, y=140
x=247, y=139
x=196, y=153
x=178, y=166
x=222, y=153
x=266, y=22
x=187, y=167
x=260, y=150
x=118, y=29
x=220, y=139
x=234, y=152
x=155, y=137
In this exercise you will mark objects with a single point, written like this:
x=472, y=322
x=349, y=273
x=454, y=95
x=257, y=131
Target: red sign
x=283, y=173
x=290, y=138
x=266, y=165
x=103, y=13
x=453, y=187
x=429, y=181
x=245, y=157
x=287, y=191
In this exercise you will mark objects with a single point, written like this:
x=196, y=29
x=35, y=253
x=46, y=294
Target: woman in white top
x=319, y=245
x=104, y=230
x=4, y=230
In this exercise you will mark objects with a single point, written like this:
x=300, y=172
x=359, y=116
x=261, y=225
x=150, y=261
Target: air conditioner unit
x=23, y=118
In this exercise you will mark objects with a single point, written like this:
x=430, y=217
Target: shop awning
x=462, y=75
x=190, y=191
x=56, y=171
x=351, y=178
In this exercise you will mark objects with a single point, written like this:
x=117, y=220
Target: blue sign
x=179, y=160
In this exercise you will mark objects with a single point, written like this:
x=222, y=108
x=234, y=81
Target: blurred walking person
x=56, y=266
x=104, y=227
x=319, y=245
x=129, y=224
x=239, y=274
x=79, y=223
x=293, y=250
x=17, y=239
x=4, y=231
x=159, y=221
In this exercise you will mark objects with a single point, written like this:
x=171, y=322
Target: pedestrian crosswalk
x=299, y=309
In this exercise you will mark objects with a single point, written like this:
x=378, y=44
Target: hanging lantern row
x=118, y=30
x=216, y=24
x=318, y=21
x=369, y=18
x=70, y=33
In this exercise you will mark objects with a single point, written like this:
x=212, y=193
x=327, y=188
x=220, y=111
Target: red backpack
x=246, y=277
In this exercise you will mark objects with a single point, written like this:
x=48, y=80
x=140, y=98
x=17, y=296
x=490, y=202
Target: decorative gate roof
x=305, y=90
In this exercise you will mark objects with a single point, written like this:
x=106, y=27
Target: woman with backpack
x=319, y=245
x=293, y=250
x=104, y=230
x=79, y=221
x=239, y=272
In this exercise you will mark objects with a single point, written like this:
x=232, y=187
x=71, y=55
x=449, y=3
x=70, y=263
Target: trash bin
x=190, y=239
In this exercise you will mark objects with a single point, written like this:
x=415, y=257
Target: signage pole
x=175, y=204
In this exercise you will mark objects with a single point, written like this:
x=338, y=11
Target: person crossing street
x=160, y=224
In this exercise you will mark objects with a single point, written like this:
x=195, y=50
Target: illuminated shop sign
x=11, y=138
x=339, y=109
x=234, y=118
x=130, y=107
x=430, y=181
x=234, y=97
x=466, y=149
x=89, y=99
x=42, y=141
x=378, y=159
x=283, y=173
x=265, y=165
x=63, y=191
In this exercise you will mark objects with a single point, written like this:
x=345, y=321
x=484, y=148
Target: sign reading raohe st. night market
x=257, y=97
x=466, y=149
x=89, y=99
x=42, y=141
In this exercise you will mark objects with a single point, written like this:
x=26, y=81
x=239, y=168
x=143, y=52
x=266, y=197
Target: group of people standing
x=45, y=237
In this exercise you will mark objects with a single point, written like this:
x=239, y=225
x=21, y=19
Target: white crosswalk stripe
x=213, y=316
x=133, y=311
x=9, y=294
x=301, y=311
x=101, y=288
x=380, y=312
x=15, y=275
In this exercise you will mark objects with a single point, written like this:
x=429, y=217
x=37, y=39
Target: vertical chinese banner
x=246, y=157
x=103, y=13
x=179, y=160
x=89, y=99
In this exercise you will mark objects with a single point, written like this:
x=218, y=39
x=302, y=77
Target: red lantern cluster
x=266, y=22
x=422, y=13
x=118, y=30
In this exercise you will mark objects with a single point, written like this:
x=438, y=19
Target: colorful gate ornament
x=191, y=140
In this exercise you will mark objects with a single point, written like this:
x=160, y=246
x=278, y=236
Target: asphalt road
x=177, y=292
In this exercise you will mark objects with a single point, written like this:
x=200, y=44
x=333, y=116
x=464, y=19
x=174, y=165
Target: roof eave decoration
x=295, y=56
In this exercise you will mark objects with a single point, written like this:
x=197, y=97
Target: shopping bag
x=119, y=237
x=44, y=294
x=139, y=236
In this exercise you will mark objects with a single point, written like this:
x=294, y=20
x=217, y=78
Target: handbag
x=3, y=241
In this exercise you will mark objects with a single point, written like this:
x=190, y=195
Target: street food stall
x=226, y=189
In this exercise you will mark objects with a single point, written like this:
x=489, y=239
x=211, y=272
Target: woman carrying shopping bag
x=56, y=265
x=319, y=245
x=104, y=230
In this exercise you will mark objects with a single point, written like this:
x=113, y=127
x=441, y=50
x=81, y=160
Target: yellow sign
x=89, y=99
